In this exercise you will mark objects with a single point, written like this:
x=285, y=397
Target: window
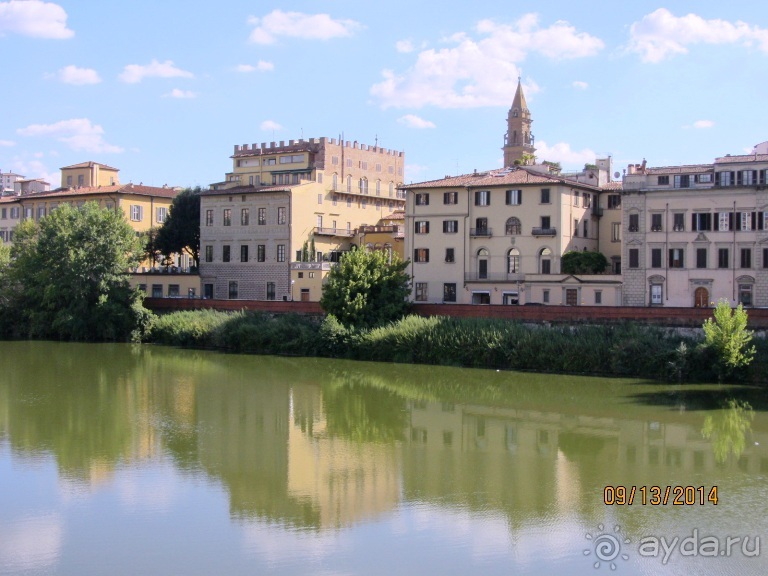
x=676, y=258
x=634, y=220
x=244, y=217
x=765, y=257
x=421, y=292
x=514, y=197
x=546, y=263
x=545, y=196
x=634, y=258
x=421, y=227
x=656, y=223
x=173, y=291
x=746, y=258
x=545, y=222
x=678, y=222
x=575, y=228
x=513, y=226
x=682, y=181
x=598, y=297
x=701, y=257
x=262, y=216
x=655, y=257
x=745, y=294
x=270, y=290
x=270, y=161
x=614, y=201
x=69, y=181
x=319, y=221
x=585, y=225
x=450, y=226
x=160, y=216
x=225, y=253
x=662, y=181
x=701, y=221
x=244, y=253
x=616, y=232
x=227, y=217
x=281, y=252
x=261, y=253
x=587, y=199
x=449, y=292
x=745, y=220
x=575, y=198
x=80, y=179
x=513, y=261
x=363, y=186
x=482, y=198
x=421, y=255
x=422, y=199
x=449, y=255
x=722, y=258
x=40, y=212
x=545, y=296
x=209, y=217
x=450, y=197
x=378, y=187
x=137, y=213
x=209, y=253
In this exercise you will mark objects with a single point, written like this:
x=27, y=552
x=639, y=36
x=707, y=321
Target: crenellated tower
x=518, y=141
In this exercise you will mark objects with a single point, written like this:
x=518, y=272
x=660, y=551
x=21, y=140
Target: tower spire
x=518, y=141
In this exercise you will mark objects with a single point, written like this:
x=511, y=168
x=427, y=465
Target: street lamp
x=292, y=283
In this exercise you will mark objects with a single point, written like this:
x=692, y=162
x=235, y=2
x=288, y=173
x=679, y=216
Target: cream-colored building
x=695, y=234
x=286, y=213
x=497, y=238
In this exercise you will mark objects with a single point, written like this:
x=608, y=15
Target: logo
x=607, y=547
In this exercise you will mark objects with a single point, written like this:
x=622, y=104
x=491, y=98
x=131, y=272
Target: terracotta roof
x=503, y=177
x=615, y=185
x=742, y=158
x=134, y=189
x=247, y=189
x=90, y=165
x=396, y=215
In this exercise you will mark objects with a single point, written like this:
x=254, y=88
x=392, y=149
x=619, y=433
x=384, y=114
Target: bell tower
x=518, y=141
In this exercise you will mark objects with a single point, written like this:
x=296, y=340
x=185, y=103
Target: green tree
x=181, y=230
x=366, y=290
x=576, y=262
x=68, y=278
x=151, y=250
x=727, y=336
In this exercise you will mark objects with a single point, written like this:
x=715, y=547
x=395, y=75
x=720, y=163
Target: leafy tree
x=151, y=250
x=366, y=290
x=576, y=262
x=68, y=276
x=727, y=336
x=181, y=230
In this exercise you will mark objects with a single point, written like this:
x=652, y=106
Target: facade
x=88, y=175
x=30, y=186
x=274, y=227
x=693, y=235
x=497, y=238
x=7, y=181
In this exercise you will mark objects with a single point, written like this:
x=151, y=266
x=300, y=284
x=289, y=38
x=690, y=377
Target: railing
x=544, y=232
x=311, y=265
x=342, y=232
x=396, y=231
x=367, y=194
x=494, y=277
x=163, y=270
x=481, y=232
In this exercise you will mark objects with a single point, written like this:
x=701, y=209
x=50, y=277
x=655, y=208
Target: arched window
x=335, y=182
x=545, y=261
x=378, y=187
x=513, y=226
x=391, y=188
x=482, y=264
x=513, y=261
x=349, y=183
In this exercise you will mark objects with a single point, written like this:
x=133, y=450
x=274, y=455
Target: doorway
x=701, y=298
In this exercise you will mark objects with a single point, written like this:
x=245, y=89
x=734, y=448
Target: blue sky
x=163, y=90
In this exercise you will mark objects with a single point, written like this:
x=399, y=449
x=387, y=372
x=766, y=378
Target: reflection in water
x=728, y=429
x=317, y=447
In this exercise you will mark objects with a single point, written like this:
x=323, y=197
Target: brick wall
x=272, y=306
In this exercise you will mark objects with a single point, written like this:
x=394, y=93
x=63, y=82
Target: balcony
x=357, y=193
x=311, y=265
x=395, y=231
x=494, y=277
x=544, y=232
x=337, y=232
x=481, y=232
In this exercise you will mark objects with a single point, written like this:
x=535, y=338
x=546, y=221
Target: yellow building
x=286, y=213
x=88, y=174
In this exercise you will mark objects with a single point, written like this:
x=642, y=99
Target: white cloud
x=481, y=72
x=78, y=76
x=703, y=124
x=413, y=121
x=299, y=25
x=77, y=133
x=561, y=152
x=178, y=93
x=261, y=66
x=404, y=46
x=34, y=18
x=579, y=85
x=7, y=143
x=661, y=34
x=268, y=125
x=134, y=73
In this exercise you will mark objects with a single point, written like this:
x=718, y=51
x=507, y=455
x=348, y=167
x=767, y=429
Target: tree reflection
x=728, y=429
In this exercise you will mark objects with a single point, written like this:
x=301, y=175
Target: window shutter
x=519, y=196
x=754, y=221
x=694, y=228
x=730, y=221
x=760, y=220
x=717, y=221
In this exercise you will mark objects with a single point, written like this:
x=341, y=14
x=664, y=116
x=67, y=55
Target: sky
x=163, y=90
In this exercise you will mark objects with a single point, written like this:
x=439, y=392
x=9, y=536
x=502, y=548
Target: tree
x=151, y=250
x=727, y=336
x=576, y=262
x=68, y=276
x=366, y=290
x=181, y=230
